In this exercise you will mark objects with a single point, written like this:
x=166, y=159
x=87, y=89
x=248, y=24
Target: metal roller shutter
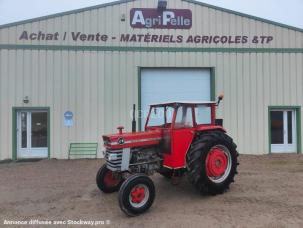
x=165, y=85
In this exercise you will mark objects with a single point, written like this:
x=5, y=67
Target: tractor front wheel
x=107, y=182
x=136, y=194
x=212, y=162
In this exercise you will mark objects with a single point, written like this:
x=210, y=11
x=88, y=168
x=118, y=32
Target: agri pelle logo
x=161, y=19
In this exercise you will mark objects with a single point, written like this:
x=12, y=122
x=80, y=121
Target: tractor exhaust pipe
x=134, y=119
x=220, y=98
x=219, y=121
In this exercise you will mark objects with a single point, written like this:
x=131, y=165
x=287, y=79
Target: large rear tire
x=136, y=194
x=212, y=162
x=106, y=181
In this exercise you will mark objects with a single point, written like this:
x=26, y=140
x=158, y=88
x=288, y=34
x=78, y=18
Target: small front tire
x=106, y=181
x=136, y=194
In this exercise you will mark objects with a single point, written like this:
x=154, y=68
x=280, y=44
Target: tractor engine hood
x=130, y=140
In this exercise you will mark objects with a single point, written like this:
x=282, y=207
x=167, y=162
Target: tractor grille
x=114, y=159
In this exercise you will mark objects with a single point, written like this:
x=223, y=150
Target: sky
x=288, y=12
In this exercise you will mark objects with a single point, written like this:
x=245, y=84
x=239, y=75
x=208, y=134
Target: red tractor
x=179, y=138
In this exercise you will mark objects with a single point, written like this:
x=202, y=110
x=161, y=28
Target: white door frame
x=286, y=147
x=29, y=152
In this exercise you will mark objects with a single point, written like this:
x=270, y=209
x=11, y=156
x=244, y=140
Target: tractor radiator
x=118, y=160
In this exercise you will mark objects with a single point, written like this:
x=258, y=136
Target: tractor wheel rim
x=110, y=180
x=139, y=196
x=218, y=163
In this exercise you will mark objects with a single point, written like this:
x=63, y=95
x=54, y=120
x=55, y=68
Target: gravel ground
x=268, y=192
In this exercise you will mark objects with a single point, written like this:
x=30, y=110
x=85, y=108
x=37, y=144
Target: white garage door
x=166, y=85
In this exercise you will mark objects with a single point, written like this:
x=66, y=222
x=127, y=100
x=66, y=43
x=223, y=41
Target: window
x=184, y=117
x=277, y=127
x=203, y=114
x=161, y=116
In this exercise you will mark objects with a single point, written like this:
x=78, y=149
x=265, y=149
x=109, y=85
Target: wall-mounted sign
x=152, y=18
x=148, y=38
x=68, y=119
x=158, y=19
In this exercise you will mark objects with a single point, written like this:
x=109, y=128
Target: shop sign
x=160, y=19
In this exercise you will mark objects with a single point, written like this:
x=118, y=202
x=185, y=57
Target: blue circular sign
x=68, y=115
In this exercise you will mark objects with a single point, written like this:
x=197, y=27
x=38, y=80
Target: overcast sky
x=288, y=12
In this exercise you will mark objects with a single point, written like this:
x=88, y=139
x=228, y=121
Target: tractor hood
x=132, y=139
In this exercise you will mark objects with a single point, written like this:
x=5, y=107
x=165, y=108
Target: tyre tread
x=196, y=164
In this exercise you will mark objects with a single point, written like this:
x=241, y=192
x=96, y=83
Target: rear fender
x=204, y=128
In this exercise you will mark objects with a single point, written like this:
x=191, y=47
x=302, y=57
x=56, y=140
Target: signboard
x=68, y=119
x=153, y=19
x=158, y=19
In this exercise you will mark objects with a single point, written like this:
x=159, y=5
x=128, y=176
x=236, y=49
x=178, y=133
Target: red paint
x=216, y=162
x=137, y=139
x=213, y=114
x=207, y=127
x=180, y=143
x=137, y=194
x=179, y=140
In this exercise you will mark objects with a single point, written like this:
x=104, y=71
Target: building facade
x=73, y=76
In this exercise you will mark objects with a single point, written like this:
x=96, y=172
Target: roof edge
x=64, y=13
x=126, y=1
x=245, y=15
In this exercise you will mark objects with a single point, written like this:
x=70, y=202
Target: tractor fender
x=201, y=129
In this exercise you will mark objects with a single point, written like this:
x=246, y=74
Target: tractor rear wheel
x=212, y=162
x=136, y=194
x=107, y=182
